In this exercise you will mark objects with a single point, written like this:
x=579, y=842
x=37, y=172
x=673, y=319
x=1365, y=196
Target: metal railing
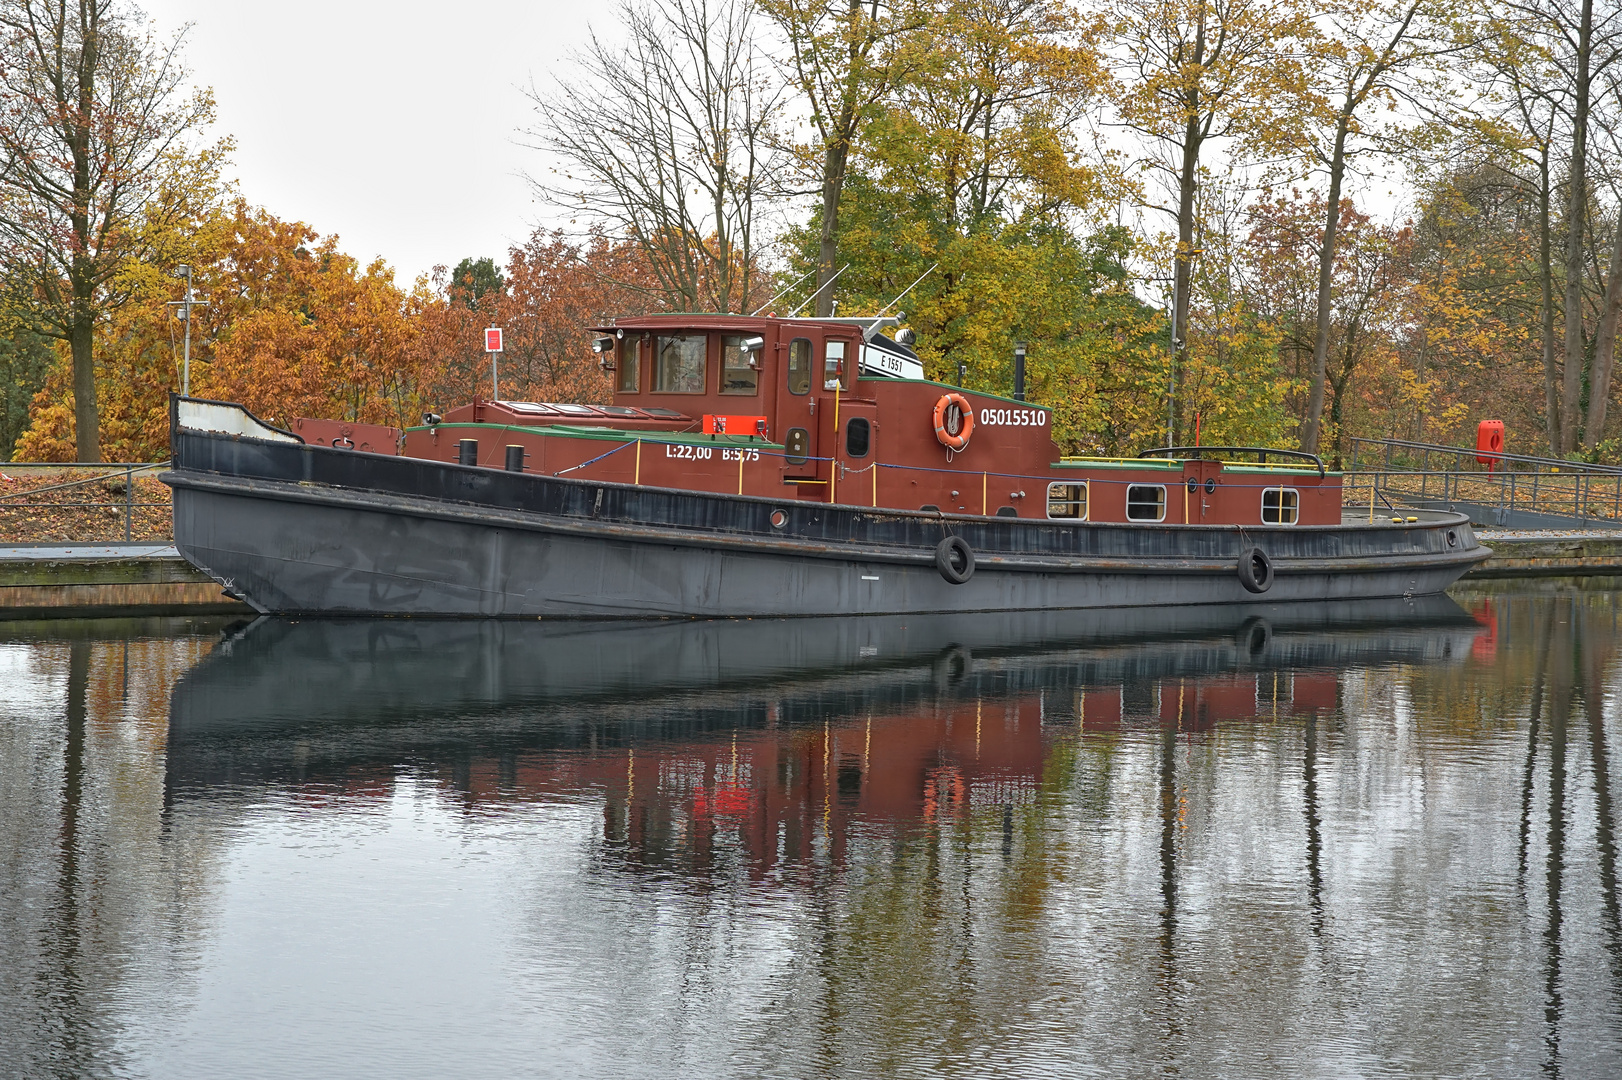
x=1518, y=491
x=29, y=498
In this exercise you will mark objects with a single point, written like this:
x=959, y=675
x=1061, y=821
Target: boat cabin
x=836, y=410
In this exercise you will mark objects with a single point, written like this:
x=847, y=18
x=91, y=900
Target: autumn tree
x=1193, y=75
x=668, y=141
x=844, y=58
x=1580, y=49
x=93, y=123
x=1370, y=302
x=553, y=289
x=973, y=165
x=1372, y=56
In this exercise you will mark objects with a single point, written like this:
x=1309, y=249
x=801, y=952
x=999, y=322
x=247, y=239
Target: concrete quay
x=42, y=581
x=1522, y=553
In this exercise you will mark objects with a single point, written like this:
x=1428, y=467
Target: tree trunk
x=86, y=422
x=1599, y=390
x=82, y=320
x=1182, y=274
x=834, y=159
x=1576, y=215
x=1326, y=277
x=1546, y=274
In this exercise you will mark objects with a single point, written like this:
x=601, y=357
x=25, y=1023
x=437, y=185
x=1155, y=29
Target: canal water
x=1356, y=840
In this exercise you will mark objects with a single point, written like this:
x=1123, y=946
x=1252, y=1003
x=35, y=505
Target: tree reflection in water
x=1213, y=843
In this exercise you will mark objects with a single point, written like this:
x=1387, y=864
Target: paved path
x=156, y=549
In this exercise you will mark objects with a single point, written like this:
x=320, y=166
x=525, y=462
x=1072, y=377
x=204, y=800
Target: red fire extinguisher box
x=1489, y=442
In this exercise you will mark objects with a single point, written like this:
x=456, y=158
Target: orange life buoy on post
x=954, y=421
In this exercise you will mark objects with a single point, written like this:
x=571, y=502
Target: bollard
x=467, y=452
x=515, y=458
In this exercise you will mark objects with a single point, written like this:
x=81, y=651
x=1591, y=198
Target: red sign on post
x=492, y=339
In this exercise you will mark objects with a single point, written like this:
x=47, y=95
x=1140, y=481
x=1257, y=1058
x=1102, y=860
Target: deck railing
x=71, y=493
x=1518, y=491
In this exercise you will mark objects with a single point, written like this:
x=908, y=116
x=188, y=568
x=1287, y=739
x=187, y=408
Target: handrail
x=1471, y=453
x=1199, y=453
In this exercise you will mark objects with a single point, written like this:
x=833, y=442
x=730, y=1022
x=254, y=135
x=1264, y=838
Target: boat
x=758, y=466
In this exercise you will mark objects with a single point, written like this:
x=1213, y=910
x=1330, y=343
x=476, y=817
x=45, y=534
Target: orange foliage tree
x=295, y=327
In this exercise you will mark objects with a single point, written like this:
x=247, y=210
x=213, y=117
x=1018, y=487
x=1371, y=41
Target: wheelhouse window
x=1146, y=502
x=1067, y=501
x=799, y=366
x=739, y=373
x=678, y=363
x=1281, y=506
x=629, y=367
x=858, y=437
x=834, y=374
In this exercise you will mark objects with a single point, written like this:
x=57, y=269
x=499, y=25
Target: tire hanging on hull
x=1255, y=570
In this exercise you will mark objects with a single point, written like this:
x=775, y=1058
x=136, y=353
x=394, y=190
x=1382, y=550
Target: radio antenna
x=824, y=285
x=785, y=289
x=907, y=290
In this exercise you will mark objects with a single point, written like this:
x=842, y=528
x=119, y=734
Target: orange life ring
x=953, y=439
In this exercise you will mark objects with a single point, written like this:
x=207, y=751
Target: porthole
x=1210, y=485
x=779, y=519
x=797, y=446
x=1452, y=538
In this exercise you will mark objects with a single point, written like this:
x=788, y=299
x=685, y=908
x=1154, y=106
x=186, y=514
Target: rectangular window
x=678, y=363
x=1281, y=506
x=799, y=366
x=1146, y=502
x=629, y=366
x=833, y=369
x=739, y=375
x=1067, y=501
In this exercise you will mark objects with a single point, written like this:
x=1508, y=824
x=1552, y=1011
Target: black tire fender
x=1255, y=570
x=954, y=558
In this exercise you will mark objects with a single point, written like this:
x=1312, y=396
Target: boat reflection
x=771, y=737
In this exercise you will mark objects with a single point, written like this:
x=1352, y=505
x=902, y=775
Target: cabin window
x=1146, y=502
x=797, y=446
x=1067, y=501
x=678, y=363
x=739, y=373
x=858, y=437
x=1281, y=506
x=799, y=366
x=834, y=376
x=629, y=366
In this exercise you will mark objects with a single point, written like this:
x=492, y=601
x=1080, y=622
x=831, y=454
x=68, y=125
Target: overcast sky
x=394, y=124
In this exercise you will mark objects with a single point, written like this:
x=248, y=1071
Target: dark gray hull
x=308, y=529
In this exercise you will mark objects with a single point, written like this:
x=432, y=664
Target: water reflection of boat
x=546, y=683
x=768, y=731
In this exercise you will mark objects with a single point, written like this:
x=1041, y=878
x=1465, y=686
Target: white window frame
x=1163, y=504
x=1293, y=491
x=1086, y=499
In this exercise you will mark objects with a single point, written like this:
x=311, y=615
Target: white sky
x=394, y=125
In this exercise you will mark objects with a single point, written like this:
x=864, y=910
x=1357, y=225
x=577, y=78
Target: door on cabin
x=856, y=450
x=797, y=419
